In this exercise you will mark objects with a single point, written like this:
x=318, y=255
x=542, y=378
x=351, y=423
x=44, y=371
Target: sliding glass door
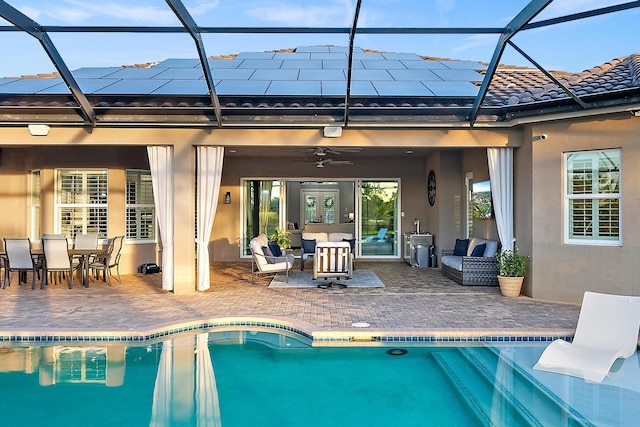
x=379, y=214
x=262, y=209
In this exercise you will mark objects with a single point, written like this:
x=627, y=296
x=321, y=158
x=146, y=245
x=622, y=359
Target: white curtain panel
x=161, y=164
x=501, y=175
x=209, y=176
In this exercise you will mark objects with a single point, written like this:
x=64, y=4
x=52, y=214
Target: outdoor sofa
x=470, y=264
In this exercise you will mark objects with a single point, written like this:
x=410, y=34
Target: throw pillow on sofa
x=461, y=248
x=479, y=250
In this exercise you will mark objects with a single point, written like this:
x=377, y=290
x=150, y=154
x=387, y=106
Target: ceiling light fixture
x=39, y=130
x=332, y=132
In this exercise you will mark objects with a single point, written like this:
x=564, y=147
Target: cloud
x=338, y=15
x=201, y=7
x=476, y=41
x=79, y=12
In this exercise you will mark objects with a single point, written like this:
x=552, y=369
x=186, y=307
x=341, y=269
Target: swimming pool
x=259, y=378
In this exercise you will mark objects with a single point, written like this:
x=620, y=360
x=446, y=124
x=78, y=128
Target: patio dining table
x=83, y=254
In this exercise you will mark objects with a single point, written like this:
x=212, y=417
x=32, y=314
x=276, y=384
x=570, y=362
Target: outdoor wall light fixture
x=543, y=136
x=39, y=130
x=332, y=132
x=227, y=198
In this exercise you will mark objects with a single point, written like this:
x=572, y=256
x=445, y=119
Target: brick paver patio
x=413, y=301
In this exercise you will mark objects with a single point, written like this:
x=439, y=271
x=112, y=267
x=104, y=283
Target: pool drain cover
x=397, y=352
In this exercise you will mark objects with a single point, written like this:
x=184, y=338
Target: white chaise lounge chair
x=607, y=329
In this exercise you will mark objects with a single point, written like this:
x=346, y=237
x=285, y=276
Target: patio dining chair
x=56, y=258
x=19, y=259
x=109, y=259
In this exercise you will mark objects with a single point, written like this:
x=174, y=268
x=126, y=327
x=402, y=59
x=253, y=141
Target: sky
x=573, y=46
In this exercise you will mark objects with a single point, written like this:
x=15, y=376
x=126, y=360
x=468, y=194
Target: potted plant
x=511, y=267
x=282, y=238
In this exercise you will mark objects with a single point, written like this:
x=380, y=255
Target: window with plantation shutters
x=81, y=202
x=592, y=197
x=140, y=208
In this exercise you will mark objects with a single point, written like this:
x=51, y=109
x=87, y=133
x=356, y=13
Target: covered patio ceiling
x=214, y=107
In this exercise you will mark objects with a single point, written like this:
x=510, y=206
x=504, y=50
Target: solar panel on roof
x=363, y=88
x=255, y=55
x=283, y=75
x=334, y=88
x=464, y=65
x=4, y=80
x=233, y=74
x=242, y=87
x=261, y=63
x=459, y=75
x=296, y=88
x=343, y=49
x=406, y=88
x=452, y=88
x=312, y=49
x=96, y=72
x=302, y=64
x=322, y=75
x=186, y=87
x=370, y=56
x=330, y=55
x=132, y=87
x=341, y=64
x=224, y=63
x=424, y=65
x=136, y=73
x=401, y=75
x=179, y=63
x=292, y=55
x=29, y=86
x=401, y=57
x=371, y=75
x=382, y=65
x=87, y=86
x=181, y=74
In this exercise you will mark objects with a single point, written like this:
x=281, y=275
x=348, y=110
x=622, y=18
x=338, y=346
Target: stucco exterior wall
x=562, y=272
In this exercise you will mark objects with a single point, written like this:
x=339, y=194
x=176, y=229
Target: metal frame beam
x=549, y=75
x=31, y=27
x=529, y=12
x=352, y=36
x=190, y=24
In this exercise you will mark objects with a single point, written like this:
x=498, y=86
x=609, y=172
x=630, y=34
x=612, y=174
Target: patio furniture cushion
x=267, y=252
x=491, y=247
x=275, y=249
x=478, y=250
x=453, y=261
x=309, y=246
x=462, y=245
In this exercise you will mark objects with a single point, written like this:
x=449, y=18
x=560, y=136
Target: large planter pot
x=510, y=286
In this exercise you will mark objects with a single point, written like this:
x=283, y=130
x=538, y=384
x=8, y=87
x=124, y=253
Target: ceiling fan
x=331, y=162
x=323, y=151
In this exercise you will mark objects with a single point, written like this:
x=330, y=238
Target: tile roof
x=525, y=86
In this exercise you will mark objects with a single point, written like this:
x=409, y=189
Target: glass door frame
x=398, y=214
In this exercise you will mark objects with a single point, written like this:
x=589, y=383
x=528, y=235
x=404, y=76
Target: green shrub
x=511, y=264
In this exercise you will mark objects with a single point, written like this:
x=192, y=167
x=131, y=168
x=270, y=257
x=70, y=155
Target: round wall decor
x=431, y=188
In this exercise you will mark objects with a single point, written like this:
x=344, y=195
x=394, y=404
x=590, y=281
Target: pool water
x=243, y=378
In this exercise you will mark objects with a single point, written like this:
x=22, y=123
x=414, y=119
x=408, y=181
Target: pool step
x=498, y=393
x=548, y=407
x=491, y=406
